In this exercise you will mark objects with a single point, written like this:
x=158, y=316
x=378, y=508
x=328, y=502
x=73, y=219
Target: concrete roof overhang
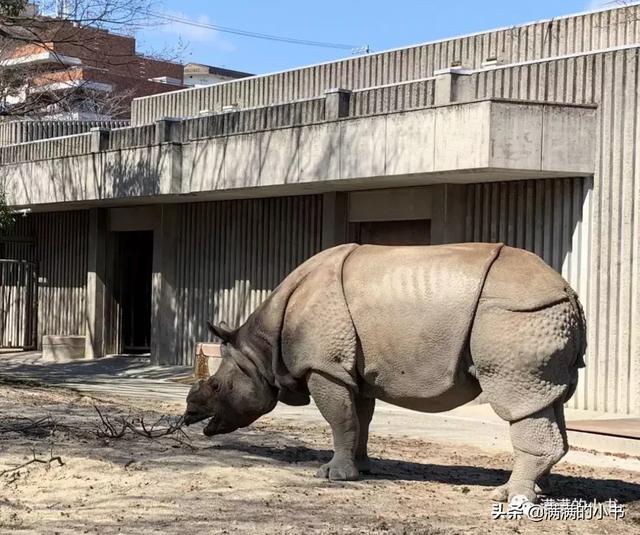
x=481, y=141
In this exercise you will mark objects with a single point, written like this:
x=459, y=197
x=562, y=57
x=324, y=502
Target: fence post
x=168, y=130
x=336, y=103
x=446, y=86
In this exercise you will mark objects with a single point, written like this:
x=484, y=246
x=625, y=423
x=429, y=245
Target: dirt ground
x=254, y=481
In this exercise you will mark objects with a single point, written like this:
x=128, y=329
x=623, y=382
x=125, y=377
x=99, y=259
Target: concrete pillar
x=96, y=280
x=335, y=218
x=336, y=103
x=169, y=134
x=448, y=213
x=163, y=306
x=99, y=139
x=447, y=82
x=169, y=130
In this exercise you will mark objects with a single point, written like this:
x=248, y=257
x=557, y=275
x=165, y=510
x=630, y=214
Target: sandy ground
x=255, y=481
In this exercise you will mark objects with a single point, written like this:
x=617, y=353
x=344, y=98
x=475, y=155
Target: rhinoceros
x=423, y=327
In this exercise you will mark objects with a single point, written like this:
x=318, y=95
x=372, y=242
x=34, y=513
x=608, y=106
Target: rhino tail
x=581, y=331
x=580, y=338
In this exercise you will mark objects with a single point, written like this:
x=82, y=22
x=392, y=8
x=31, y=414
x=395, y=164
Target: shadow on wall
x=114, y=174
x=234, y=252
x=274, y=157
x=231, y=254
x=128, y=176
x=58, y=243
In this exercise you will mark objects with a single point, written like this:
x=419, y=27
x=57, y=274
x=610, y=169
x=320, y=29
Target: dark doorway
x=409, y=232
x=135, y=260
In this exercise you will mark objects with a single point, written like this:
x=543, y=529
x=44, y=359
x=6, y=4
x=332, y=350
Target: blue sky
x=380, y=24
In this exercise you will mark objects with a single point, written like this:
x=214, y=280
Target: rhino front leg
x=337, y=405
x=364, y=408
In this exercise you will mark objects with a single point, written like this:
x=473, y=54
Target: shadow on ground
x=31, y=365
x=133, y=377
x=565, y=486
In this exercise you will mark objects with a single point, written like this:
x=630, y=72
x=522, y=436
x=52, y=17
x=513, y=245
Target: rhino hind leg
x=539, y=442
x=337, y=404
x=544, y=484
x=364, y=407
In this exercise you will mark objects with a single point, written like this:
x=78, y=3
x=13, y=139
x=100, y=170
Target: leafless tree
x=80, y=28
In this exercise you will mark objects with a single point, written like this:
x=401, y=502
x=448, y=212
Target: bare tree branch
x=45, y=426
x=162, y=427
x=35, y=459
x=86, y=32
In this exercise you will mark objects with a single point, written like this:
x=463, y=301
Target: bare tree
x=64, y=31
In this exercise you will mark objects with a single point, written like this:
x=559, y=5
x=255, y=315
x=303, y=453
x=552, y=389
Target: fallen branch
x=162, y=427
x=108, y=428
x=45, y=426
x=34, y=460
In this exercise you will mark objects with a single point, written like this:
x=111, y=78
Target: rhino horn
x=222, y=331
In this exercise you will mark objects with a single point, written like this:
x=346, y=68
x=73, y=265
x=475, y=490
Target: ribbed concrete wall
x=132, y=137
x=13, y=246
x=23, y=131
x=231, y=254
x=556, y=37
x=16, y=285
x=401, y=97
x=46, y=149
x=612, y=264
x=60, y=249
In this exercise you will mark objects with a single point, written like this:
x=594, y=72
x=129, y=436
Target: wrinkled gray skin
x=426, y=328
x=235, y=397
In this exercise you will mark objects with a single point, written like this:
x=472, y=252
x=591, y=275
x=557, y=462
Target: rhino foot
x=501, y=493
x=504, y=493
x=339, y=470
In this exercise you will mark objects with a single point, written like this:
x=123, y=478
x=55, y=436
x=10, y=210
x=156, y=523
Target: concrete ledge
x=63, y=348
x=480, y=141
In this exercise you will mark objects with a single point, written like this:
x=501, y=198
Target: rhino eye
x=215, y=385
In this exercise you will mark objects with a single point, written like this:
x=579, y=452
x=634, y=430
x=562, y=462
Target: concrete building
x=197, y=74
x=526, y=135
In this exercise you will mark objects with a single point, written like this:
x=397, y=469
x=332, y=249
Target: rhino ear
x=222, y=331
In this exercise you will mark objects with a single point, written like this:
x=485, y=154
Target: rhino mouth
x=192, y=418
x=216, y=427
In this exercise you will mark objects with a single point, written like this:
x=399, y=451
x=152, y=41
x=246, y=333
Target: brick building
x=98, y=72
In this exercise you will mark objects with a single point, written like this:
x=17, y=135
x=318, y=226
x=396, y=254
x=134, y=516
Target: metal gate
x=19, y=304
